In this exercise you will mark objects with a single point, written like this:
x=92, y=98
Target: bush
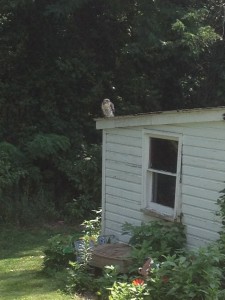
x=81, y=278
x=128, y=291
x=154, y=239
x=61, y=248
x=174, y=274
x=59, y=252
x=196, y=275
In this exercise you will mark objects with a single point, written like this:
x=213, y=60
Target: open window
x=161, y=174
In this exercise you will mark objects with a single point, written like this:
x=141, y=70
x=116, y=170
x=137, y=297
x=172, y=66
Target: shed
x=164, y=166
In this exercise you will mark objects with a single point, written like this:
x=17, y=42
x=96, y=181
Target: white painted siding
x=203, y=177
x=123, y=180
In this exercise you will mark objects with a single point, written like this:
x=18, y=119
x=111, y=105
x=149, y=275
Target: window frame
x=148, y=206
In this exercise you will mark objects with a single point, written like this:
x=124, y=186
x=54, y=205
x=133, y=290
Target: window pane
x=163, y=154
x=164, y=189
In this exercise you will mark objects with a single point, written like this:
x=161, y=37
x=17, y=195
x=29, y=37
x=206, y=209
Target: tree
x=59, y=59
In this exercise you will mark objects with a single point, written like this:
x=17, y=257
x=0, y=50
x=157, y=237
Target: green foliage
x=221, y=204
x=59, y=252
x=154, y=239
x=92, y=227
x=184, y=275
x=61, y=58
x=128, y=291
x=61, y=248
x=107, y=279
x=175, y=272
x=221, y=241
x=45, y=145
x=17, y=189
x=195, y=275
x=11, y=169
x=80, y=278
x=85, y=176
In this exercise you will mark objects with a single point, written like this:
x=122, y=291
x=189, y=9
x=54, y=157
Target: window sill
x=157, y=215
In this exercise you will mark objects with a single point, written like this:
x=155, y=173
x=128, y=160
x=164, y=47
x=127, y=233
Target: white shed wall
x=203, y=176
x=123, y=180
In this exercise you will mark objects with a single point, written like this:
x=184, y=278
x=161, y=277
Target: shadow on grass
x=21, y=284
x=24, y=281
x=16, y=242
x=21, y=258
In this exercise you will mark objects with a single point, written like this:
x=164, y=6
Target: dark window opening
x=164, y=189
x=163, y=164
x=163, y=155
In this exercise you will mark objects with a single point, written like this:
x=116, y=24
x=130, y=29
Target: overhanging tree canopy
x=59, y=59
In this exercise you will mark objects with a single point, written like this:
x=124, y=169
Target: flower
x=138, y=281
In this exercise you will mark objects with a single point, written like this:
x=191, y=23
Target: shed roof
x=196, y=115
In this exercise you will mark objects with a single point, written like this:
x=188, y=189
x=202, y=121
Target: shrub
x=196, y=275
x=128, y=291
x=59, y=252
x=107, y=279
x=155, y=239
x=81, y=278
x=61, y=248
x=175, y=273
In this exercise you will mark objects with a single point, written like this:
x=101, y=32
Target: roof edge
x=207, y=114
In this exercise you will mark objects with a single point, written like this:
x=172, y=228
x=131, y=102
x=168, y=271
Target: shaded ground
x=21, y=258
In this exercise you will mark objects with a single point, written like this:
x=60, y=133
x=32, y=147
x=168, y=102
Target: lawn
x=21, y=258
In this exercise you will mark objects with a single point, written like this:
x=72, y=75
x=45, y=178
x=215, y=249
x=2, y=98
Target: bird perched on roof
x=108, y=108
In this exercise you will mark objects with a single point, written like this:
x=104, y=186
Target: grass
x=21, y=258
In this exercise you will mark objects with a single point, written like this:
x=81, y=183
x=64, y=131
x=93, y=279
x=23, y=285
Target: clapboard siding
x=200, y=202
x=194, y=130
x=131, y=160
x=122, y=219
x=196, y=242
x=190, y=220
x=203, y=163
x=206, y=173
x=124, y=176
x=202, y=233
x=123, y=149
x=126, y=203
x=117, y=226
x=205, y=153
x=132, y=212
x=123, y=194
x=208, y=143
x=122, y=184
x=202, y=177
x=201, y=213
x=123, y=179
x=122, y=166
x=207, y=184
x=200, y=193
x=131, y=132
x=124, y=140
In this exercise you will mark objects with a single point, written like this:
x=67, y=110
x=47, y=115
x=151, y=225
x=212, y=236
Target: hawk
x=108, y=108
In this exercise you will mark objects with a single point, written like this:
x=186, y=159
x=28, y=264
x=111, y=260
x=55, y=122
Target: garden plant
x=175, y=272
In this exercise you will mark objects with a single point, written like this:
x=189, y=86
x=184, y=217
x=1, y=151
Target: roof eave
x=162, y=118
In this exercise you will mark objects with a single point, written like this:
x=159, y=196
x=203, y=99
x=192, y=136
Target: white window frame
x=148, y=206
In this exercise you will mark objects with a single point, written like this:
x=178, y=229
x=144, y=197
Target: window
x=161, y=173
